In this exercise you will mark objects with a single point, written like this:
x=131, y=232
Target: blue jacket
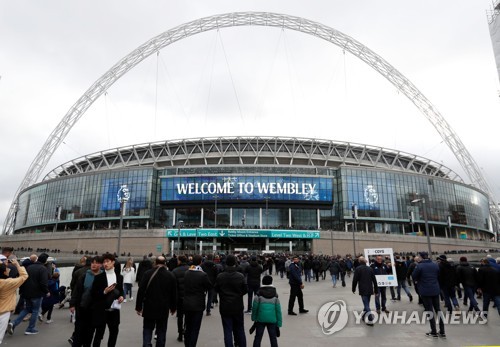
x=426, y=276
x=295, y=274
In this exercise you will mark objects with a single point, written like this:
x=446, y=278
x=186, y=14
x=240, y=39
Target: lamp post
x=355, y=229
x=195, y=241
x=180, y=224
x=215, y=211
x=267, y=212
x=123, y=196
x=424, y=207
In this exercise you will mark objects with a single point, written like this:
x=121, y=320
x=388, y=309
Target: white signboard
x=383, y=280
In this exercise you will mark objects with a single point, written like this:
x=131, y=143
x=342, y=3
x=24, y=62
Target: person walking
x=231, y=287
x=156, y=296
x=447, y=283
x=266, y=313
x=489, y=285
x=467, y=276
x=364, y=278
x=34, y=289
x=107, y=294
x=128, y=273
x=179, y=273
x=8, y=287
x=80, y=304
x=296, y=287
x=334, y=269
x=426, y=278
x=211, y=270
x=253, y=273
x=401, y=271
x=145, y=265
x=51, y=299
x=196, y=285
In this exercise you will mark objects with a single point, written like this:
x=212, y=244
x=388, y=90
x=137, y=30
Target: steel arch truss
x=253, y=151
x=250, y=19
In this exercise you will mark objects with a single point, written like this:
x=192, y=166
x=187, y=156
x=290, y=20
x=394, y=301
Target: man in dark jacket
x=296, y=286
x=34, y=289
x=467, y=275
x=401, y=271
x=107, y=289
x=80, y=304
x=364, y=275
x=447, y=283
x=231, y=287
x=196, y=284
x=211, y=270
x=179, y=273
x=156, y=296
x=380, y=268
x=489, y=284
x=426, y=278
x=253, y=272
x=334, y=268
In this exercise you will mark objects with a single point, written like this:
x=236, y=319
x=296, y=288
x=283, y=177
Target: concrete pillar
x=267, y=243
x=290, y=217
x=174, y=219
x=260, y=217
x=231, y=216
x=433, y=231
x=202, y=217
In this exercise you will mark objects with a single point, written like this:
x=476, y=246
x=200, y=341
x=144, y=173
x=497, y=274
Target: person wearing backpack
x=266, y=313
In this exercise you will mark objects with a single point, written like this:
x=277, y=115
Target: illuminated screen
x=276, y=188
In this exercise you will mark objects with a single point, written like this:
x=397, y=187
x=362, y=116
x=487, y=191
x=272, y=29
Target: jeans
x=252, y=289
x=234, y=324
x=431, y=305
x=31, y=306
x=469, y=294
x=193, y=324
x=295, y=292
x=149, y=325
x=486, y=302
x=366, y=306
x=307, y=275
x=402, y=284
x=259, y=333
x=449, y=297
x=334, y=280
x=382, y=294
x=127, y=289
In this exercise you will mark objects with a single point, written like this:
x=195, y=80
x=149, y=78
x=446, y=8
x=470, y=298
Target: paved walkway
x=301, y=330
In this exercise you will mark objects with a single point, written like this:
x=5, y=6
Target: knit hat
x=267, y=280
x=463, y=259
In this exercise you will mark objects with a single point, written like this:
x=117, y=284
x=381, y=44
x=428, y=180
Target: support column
x=174, y=218
x=147, y=224
x=260, y=217
x=267, y=243
x=202, y=217
x=433, y=231
x=231, y=216
x=289, y=217
x=214, y=244
x=318, y=218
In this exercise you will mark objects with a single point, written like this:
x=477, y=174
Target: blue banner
x=276, y=188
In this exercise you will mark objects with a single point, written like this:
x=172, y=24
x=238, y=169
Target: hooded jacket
x=266, y=307
x=253, y=272
x=467, y=275
x=231, y=287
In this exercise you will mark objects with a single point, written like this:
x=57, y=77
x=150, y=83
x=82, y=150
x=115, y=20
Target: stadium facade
x=254, y=193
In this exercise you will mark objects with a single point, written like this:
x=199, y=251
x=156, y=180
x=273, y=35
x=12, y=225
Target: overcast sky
x=245, y=81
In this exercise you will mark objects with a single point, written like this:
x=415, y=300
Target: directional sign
x=249, y=233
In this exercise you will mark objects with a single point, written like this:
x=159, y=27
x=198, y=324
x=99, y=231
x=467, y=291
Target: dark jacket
x=253, y=272
x=401, y=270
x=101, y=301
x=144, y=266
x=467, y=275
x=231, y=287
x=295, y=274
x=334, y=268
x=426, y=276
x=266, y=307
x=77, y=274
x=159, y=297
x=81, y=296
x=380, y=269
x=447, y=275
x=179, y=273
x=196, y=284
x=365, y=277
x=36, y=286
x=488, y=280
x=211, y=270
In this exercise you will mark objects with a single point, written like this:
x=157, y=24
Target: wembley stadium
x=252, y=193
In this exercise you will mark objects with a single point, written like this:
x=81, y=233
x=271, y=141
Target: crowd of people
x=190, y=286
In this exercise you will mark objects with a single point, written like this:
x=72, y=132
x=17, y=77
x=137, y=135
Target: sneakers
x=70, y=340
x=31, y=332
x=124, y=300
x=411, y=298
x=49, y=321
x=431, y=334
x=248, y=312
x=443, y=335
x=131, y=299
x=40, y=318
x=10, y=328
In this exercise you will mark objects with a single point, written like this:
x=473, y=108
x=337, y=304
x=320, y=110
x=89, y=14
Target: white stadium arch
x=250, y=19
